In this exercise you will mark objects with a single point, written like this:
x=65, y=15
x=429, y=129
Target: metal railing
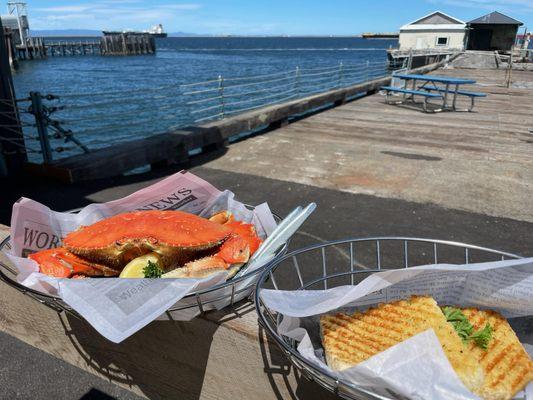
x=223, y=97
x=100, y=119
x=43, y=135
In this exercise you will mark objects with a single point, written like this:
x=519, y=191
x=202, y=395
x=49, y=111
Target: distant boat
x=157, y=31
x=386, y=35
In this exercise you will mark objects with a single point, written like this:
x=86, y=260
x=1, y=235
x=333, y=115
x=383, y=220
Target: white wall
x=413, y=39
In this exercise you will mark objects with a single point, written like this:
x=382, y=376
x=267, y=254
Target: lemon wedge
x=134, y=269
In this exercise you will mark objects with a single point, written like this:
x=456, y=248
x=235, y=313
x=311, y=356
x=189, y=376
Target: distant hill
x=65, y=32
x=185, y=34
x=92, y=32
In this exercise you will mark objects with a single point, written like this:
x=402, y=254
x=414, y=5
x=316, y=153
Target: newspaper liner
x=416, y=368
x=116, y=307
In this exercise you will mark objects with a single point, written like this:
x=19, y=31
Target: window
x=442, y=41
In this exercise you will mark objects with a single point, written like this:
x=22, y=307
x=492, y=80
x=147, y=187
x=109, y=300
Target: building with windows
x=434, y=31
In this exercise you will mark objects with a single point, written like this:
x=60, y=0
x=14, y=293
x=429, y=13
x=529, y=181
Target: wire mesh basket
x=215, y=297
x=348, y=262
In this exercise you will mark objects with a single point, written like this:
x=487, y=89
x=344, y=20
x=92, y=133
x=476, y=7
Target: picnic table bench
x=427, y=89
x=221, y=355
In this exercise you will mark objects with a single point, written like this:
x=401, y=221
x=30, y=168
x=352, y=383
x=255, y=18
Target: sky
x=253, y=17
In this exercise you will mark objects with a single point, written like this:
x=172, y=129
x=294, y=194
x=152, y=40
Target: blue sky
x=252, y=17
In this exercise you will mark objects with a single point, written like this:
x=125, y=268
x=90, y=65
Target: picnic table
x=221, y=355
x=430, y=89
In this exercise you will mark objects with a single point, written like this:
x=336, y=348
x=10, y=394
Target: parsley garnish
x=465, y=329
x=152, y=270
x=482, y=337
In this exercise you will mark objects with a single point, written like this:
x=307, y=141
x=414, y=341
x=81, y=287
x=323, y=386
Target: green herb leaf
x=152, y=270
x=465, y=329
x=461, y=324
x=482, y=337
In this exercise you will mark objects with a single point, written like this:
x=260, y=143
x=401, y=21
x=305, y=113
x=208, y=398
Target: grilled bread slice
x=506, y=364
x=351, y=339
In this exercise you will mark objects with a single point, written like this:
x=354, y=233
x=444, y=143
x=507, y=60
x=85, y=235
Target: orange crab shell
x=247, y=232
x=176, y=236
x=61, y=263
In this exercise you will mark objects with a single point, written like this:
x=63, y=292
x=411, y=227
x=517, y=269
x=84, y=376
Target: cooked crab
x=177, y=237
x=188, y=245
x=61, y=263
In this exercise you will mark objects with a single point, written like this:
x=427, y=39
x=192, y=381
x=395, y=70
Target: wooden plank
x=114, y=160
x=223, y=355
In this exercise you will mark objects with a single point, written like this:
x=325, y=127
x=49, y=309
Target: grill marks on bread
x=351, y=339
x=497, y=373
x=506, y=364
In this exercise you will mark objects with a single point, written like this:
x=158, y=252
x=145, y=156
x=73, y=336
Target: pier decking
x=480, y=161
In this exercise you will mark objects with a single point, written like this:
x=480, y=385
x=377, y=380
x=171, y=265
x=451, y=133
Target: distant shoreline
x=235, y=36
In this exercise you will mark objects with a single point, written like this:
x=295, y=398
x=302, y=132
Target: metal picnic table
x=429, y=85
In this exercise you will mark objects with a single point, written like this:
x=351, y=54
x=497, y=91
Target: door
x=419, y=43
x=480, y=39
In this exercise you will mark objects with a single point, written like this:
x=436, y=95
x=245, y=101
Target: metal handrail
x=204, y=101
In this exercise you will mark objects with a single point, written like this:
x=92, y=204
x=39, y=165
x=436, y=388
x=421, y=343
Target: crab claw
x=61, y=263
x=247, y=232
x=235, y=250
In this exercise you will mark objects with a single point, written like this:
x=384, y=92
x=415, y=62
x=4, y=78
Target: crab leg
x=61, y=263
x=231, y=256
x=246, y=231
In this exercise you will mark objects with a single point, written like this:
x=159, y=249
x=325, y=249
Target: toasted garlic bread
x=506, y=364
x=351, y=339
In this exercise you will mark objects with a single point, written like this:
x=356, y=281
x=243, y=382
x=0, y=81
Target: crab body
x=186, y=245
x=176, y=236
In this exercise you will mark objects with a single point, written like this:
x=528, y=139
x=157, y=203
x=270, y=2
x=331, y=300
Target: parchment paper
x=416, y=368
x=117, y=307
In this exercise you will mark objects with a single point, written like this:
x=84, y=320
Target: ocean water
x=111, y=99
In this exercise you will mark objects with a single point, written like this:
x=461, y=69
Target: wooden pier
x=127, y=43
x=111, y=44
x=39, y=48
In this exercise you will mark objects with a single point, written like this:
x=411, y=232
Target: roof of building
x=495, y=18
x=437, y=20
x=9, y=21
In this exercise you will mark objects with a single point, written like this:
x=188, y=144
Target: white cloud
x=61, y=9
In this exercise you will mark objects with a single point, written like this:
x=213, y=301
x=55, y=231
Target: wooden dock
x=480, y=161
x=112, y=44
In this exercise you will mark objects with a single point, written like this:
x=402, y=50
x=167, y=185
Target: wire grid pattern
x=228, y=292
x=223, y=97
x=147, y=111
x=348, y=262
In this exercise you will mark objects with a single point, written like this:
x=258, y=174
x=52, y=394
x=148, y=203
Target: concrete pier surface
x=373, y=169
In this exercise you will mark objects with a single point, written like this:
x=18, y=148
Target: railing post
x=341, y=70
x=297, y=81
x=40, y=123
x=367, y=70
x=221, y=95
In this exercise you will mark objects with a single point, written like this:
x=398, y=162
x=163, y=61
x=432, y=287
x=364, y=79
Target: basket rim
x=290, y=351
x=196, y=294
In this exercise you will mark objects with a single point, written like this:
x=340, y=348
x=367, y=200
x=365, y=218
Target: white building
x=434, y=31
